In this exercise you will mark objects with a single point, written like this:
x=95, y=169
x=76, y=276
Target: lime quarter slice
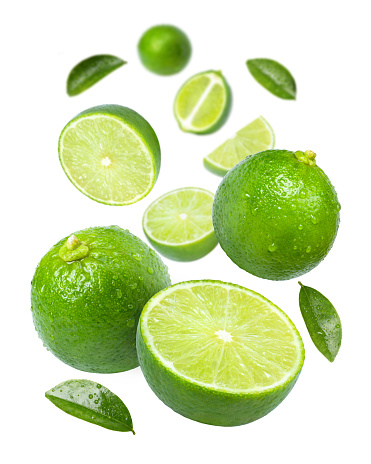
x=203, y=103
x=218, y=353
x=253, y=138
x=179, y=224
x=111, y=154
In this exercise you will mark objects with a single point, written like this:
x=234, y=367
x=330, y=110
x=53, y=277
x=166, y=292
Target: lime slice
x=253, y=138
x=91, y=70
x=218, y=353
x=179, y=224
x=203, y=103
x=92, y=403
x=111, y=154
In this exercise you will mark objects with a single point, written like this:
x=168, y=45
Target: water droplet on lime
x=309, y=248
x=91, y=396
x=272, y=247
x=149, y=270
x=300, y=227
x=130, y=322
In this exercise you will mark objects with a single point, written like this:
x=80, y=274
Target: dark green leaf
x=93, y=403
x=273, y=77
x=322, y=321
x=89, y=71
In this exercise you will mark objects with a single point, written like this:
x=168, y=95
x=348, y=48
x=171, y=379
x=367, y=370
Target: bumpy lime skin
x=274, y=216
x=164, y=49
x=86, y=311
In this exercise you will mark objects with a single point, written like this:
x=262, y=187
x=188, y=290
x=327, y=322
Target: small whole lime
x=87, y=294
x=276, y=214
x=164, y=49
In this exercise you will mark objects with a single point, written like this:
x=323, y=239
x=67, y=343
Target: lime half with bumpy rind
x=179, y=224
x=218, y=353
x=111, y=154
x=203, y=103
x=253, y=138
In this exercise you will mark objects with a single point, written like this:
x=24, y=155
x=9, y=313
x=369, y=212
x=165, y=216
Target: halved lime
x=253, y=138
x=218, y=353
x=179, y=224
x=111, y=154
x=203, y=103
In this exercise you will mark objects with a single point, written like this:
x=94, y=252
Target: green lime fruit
x=203, y=103
x=111, y=154
x=179, y=224
x=276, y=214
x=91, y=70
x=253, y=138
x=164, y=49
x=218, y=353
x=87, y=295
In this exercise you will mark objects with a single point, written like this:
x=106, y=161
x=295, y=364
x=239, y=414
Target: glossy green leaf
x=91, y=70
x=322, y=321
x=274, y=77
x=93, y=403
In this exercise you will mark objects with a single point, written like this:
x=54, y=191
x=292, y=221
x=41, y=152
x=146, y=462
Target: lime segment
x=179, y=224
x=253, y=138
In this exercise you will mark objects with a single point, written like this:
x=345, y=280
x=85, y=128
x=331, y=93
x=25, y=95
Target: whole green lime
x=164, y=49
x=87, y=295
x=276, y=214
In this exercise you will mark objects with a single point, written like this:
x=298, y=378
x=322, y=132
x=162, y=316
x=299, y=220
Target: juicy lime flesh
x=201, y=102
x=181, y=216
x=222, y=336
x=253, y=138
x=106, y=159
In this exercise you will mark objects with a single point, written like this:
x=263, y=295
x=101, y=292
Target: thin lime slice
x=218, y=353
x=253, y=138
x=93, y=403
x=111, y=154
x=179, y=224
x=91, y=70
x=203, y=103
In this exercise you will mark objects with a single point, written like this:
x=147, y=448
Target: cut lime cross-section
x=111, y=154
x=253, y=138
x=203, y=103
x=179, y=224
x=218, y=353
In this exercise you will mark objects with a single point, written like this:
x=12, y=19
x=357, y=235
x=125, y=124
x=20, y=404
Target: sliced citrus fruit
x=203, y=103
x=253, y=138
x=218, y=353
x=179, y=224
x=111, y=154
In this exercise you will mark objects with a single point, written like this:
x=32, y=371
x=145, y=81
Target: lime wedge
x=253, y=138
x=179, y=224
x=218, y=353
x=111, y=154
x=203, y=103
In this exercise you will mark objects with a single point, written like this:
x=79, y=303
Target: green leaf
x=93, y=403
x=322, y=321
x=91, y=70
x=273, y=77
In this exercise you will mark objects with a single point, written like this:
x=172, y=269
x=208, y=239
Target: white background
x=325, y=44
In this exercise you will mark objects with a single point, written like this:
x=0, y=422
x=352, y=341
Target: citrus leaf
x=322, y=321
x=91, y=70
x=274, y=77
x=93, y=403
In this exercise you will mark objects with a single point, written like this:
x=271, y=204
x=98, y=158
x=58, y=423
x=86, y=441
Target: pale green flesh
x=106, y=160
x=181, y=216
x=201, y=102
x=253, y=138
x=222, y=336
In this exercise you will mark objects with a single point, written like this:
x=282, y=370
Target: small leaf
x=322, y=321
x=274, y=77
x=89, y=71
x=93, y=403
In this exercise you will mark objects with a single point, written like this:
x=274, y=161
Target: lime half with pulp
x=253, y=138
x=218, y=353
x=179, y=224
x=111, y=154
x=203, y=103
